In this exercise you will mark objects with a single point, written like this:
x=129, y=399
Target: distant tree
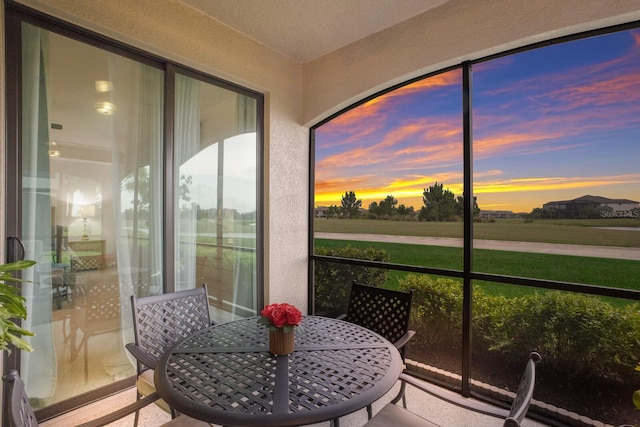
x=184, y=191
x=374, y=208
x=460, y=206
x=439, y=204
x=404, y=210
x=350, y=204
x=388, y=206
x=333, y=211
x=536, y=213
x=138, y=185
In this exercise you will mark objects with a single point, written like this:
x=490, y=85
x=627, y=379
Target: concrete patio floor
x=435, y=410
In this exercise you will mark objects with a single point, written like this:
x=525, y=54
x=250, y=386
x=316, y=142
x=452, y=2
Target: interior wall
x=179, y=33
x=456, y=31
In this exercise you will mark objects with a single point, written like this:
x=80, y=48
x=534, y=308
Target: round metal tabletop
x=225, y=374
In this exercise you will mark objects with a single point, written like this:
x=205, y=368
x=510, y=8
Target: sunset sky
x=549, y=124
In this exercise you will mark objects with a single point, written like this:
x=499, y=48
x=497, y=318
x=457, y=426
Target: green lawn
x=595, y=271
x=581, y=232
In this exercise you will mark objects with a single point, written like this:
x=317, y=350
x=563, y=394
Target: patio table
x=225, y=374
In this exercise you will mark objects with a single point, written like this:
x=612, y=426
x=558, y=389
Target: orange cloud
x=373, y=111
x=552, y=183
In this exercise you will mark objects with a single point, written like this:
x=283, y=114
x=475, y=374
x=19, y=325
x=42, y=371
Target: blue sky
x=549, y=124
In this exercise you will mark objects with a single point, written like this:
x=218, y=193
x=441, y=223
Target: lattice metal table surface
x=226, y=375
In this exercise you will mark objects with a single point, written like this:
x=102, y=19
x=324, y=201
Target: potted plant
x=282, y=319
x=12, y=306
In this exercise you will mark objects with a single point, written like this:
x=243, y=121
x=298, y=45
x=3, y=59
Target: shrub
x=436, y=311
x=577, y=334
x=333, y=280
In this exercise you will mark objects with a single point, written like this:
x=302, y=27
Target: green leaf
x=636, y=398
x=12, y=306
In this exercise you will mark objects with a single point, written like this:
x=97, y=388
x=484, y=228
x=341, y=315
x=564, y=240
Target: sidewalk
x=496, y=245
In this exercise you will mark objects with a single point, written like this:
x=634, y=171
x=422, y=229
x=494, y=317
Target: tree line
x=439, y=204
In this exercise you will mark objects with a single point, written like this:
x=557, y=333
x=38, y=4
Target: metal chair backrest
x=524, y=394
x=19, y=409
x=383, y=311
x=162, y=320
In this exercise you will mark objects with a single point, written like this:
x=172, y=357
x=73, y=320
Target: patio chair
x=159, y=322
x=392, y=414
x=20, y=413
x=384, y=311
x=96, y=312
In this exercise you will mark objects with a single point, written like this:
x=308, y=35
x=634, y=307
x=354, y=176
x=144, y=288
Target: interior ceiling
x=308, y=29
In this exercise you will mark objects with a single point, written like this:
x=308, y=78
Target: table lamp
x=84, y=212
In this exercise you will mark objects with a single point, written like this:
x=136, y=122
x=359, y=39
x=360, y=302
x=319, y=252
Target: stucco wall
x=458, y=30
x=177, y=32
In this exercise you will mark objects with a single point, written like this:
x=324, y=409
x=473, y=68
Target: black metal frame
x=467, y=274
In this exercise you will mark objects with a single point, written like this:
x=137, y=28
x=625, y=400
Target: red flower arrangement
x=285, y=316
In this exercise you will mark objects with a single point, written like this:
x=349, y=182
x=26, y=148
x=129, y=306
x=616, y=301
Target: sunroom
x=210, y=142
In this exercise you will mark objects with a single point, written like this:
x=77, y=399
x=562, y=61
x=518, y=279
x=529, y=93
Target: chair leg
x=369, y=412
x=404, y=395
x=335, y=422
x=137, y=416
x=86, y=361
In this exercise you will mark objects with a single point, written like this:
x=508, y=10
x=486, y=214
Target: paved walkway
x=497, y=245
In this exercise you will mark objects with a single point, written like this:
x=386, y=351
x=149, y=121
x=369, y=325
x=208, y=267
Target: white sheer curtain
x=38, y=368
x=187, y=144
x=137, y=163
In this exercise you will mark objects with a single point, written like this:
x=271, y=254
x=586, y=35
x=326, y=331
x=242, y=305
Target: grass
x=581, y=232
x=594, y=271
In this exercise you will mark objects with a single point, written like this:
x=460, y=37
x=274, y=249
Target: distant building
x=585, y=205
x=498, y=214
x=320, y=211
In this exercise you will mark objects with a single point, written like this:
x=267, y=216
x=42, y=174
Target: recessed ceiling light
x=103, y=86
x=105, y=108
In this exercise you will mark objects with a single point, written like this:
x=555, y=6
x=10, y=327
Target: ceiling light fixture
x=103, y=86
x=52, y=151
x=105, y=108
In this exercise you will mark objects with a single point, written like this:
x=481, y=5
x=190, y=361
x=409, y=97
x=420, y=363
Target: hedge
x=580, y=335
x=333, y=280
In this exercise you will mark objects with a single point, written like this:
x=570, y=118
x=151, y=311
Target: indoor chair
x=96, y=311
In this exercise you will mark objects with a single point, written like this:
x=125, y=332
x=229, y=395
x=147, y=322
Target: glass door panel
x=216, y=195
x=91, y=178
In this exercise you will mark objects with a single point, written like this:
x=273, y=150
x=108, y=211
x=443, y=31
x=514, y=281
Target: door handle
x=12, y=254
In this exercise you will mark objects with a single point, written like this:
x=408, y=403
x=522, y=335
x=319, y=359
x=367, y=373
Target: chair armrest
x=455, y=399
x=122, y=412
x=141, y=356
x=342, y=317
x=404, y=339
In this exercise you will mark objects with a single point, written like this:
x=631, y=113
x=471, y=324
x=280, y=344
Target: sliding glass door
x=128, y=176
x=91, y=180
